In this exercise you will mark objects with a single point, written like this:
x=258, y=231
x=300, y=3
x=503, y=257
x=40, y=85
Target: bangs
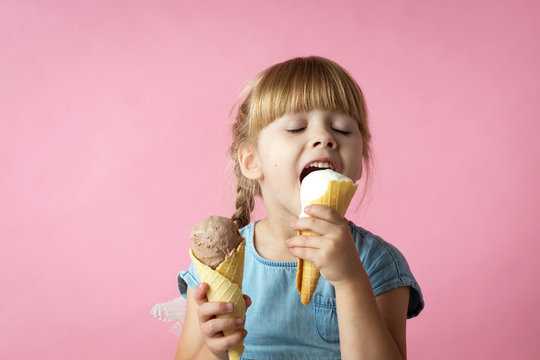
x=303, y=85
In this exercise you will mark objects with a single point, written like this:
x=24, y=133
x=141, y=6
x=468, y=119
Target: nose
x=325, y=139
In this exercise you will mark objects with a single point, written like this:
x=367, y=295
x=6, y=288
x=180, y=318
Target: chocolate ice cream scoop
x=213, y=238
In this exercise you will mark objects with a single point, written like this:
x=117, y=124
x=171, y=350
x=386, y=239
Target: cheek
x=354, y=168
x=280, y=167
x=278, y=160
x=358, y=173
x=272, y=165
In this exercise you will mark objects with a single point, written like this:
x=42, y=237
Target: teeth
x=321, y=165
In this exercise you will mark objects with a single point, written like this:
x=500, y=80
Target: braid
x=246, y=189
x=245, y=199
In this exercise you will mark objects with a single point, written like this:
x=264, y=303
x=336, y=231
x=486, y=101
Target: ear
x=250, y=164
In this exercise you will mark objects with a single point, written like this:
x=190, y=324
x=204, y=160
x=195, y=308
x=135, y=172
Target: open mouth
x=309, y=170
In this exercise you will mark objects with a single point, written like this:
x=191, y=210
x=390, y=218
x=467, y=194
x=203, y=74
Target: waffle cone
x=225, y=285
x=338, y=196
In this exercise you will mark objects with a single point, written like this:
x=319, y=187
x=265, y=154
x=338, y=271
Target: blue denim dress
x=279, y=326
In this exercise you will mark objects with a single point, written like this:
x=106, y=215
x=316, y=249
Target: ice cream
x=217, y=251
x=213, y=238
x=322, y=187
x=315, y=185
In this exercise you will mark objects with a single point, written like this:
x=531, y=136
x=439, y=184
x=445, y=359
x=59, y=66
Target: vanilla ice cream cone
x=321, y=187
x=225, y=285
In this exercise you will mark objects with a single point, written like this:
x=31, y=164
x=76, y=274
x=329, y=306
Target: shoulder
x=372, y=247
x=386, y=266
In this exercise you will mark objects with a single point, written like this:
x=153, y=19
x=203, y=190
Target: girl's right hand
x=212, y=328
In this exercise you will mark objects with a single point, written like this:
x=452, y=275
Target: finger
x=319, y=226
x=324, y=212
x=200, y=293
x=305, y=253
x=226, y=342
x=313, y=242
x=247, y=299
x=208, y=310
x=216, y=327
x=313, y=224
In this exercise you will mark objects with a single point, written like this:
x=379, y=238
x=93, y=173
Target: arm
x=190, y=344
x=369, y=327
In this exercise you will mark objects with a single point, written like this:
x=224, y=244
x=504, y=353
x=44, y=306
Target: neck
x=271, y=234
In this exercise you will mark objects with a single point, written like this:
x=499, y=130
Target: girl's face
x=290, y=142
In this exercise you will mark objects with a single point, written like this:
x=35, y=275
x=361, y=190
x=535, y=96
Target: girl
x=303, y=110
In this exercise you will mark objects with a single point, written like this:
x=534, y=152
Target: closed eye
x=339, y=131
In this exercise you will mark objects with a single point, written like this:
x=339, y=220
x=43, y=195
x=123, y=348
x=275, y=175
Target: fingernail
x=239, y=321
x=229, y=307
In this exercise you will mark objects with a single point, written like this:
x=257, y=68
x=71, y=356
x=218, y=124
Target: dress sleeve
x=390, y=270
x=187, y=278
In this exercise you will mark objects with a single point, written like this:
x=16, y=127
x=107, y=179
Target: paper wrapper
x=225, y=284
x=337, y=196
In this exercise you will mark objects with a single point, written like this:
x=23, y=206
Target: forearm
x=362, y=332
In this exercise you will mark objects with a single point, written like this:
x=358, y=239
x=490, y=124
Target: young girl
x=296, y=112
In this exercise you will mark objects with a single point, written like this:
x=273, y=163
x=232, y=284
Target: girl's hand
x=212, y=328
x=333, y=251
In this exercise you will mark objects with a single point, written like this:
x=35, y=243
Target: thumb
x=247, y=299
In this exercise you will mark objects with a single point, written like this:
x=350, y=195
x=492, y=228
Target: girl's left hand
x=333, y=251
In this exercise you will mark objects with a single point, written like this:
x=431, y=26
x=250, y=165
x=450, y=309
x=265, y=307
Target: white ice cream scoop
x=315, y=184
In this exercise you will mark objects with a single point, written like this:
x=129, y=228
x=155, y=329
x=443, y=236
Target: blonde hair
x=300, y=84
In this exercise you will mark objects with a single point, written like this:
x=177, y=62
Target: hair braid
x=245, y=202
x=246, y=189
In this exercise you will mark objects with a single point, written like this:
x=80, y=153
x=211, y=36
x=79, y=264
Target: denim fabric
x=279, y=326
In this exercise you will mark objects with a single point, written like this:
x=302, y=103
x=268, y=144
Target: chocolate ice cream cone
x=225, y=285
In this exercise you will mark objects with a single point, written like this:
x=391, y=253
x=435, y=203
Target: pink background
x=114, y=130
